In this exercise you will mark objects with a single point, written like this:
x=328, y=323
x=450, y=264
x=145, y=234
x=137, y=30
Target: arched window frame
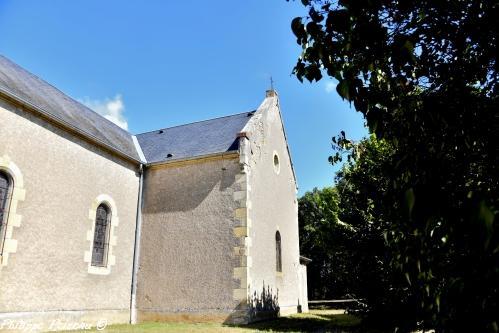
x=113, y=222
x=278, y=252
x=5, y=199
x=14, y=219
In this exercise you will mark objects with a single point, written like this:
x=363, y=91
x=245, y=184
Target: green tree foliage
x=323, y=238
x=361, y=184
x=364, y=186
x=342, y=229
x=425, y=76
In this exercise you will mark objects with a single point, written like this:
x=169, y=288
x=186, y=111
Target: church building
x=196, y=222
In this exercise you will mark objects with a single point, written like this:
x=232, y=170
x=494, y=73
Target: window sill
x=99, y=270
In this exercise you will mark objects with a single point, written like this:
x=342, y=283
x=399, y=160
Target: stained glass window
x=101, y=236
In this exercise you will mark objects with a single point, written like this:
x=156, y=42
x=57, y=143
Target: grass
x=314, y=321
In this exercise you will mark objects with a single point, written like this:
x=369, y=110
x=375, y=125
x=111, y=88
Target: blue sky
x=155, y=64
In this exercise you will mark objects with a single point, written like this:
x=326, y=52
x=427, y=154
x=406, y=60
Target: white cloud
x=330, y=87
x=110, y=108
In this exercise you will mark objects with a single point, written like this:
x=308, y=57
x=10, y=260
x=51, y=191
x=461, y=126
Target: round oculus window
x=277, y=166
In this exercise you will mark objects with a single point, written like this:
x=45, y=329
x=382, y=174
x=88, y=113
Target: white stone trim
x=87, y=256
x=241, y=271
x=139, y=149
x=13, y=219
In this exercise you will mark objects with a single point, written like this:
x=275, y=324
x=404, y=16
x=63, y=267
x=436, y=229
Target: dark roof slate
x=192, y=140
x=185, y=141
x=28, y=88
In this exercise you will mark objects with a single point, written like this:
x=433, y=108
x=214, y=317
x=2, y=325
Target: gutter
x=136, y=251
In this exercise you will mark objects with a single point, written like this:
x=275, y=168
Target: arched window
x=101, y=236
x=5, y=193
x=278, y=254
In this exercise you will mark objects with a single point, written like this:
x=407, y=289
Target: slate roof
x=192, y=140
x=27, y=88
x=185, y=141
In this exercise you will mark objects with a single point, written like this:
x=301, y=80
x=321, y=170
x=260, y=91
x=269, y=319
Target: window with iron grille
x=278, y=254
x=5, y=193
x=101, y=236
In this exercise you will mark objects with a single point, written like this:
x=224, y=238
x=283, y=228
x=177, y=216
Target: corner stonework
x=242, y=233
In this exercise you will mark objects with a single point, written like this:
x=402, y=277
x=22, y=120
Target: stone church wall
x=188, y=241
x=45, y=274
x=208, y=238
x=273, y=207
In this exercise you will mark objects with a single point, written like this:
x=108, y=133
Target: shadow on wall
x=264, y=306
x=186, y=187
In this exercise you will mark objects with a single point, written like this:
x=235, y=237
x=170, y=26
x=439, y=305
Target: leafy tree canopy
x=425, y=76
x=322, y=238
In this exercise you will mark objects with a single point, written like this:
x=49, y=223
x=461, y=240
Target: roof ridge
x=62, y=92
x=196, y=122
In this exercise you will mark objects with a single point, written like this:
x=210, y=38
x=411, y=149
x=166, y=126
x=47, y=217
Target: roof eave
x=65, y=125
x=305, y=260
x=200, y=158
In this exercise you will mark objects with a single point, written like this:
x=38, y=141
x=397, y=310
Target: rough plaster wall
x=187, y=259
x=274, y=207
x=303, y=288
x=62, y=177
